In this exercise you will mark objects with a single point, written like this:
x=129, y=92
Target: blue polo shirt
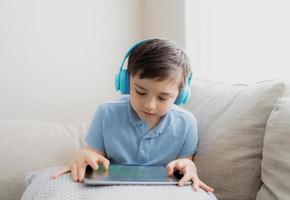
x=117, y=130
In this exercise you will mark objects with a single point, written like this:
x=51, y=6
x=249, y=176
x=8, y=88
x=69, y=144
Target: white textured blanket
x=40, y=186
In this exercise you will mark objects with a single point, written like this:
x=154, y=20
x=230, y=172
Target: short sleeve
x=94, y=137
x=190, y=145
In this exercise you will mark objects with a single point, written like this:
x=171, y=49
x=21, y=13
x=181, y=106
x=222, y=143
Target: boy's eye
x=162, y=99
x=140, y=93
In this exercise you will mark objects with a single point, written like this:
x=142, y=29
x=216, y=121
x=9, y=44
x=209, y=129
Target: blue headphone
x=122, y=80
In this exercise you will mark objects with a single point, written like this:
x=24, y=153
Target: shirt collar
x=134, y=118
x=165, y=122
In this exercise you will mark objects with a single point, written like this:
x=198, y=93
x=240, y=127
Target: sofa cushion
x=27, y=146
x=276, y=154
x=232, y=121
x=42, y=187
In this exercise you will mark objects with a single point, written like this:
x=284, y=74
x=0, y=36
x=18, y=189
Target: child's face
x=151, y=99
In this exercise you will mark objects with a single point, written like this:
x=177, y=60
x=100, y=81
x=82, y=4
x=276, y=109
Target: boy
x=145, y=128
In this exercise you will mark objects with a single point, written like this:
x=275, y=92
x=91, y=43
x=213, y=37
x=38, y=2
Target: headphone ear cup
x=124, y=81
x=186, y=99
x=183, y=96
x=127, y=83
x=117, y=82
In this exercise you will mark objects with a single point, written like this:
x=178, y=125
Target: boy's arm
x=186, y=166
x=88, y=155
x=83, y=157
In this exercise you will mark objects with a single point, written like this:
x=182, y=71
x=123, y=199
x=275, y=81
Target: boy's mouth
x=148, y=113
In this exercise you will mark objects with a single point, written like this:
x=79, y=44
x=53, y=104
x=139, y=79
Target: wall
x=164, y=18
x=239, y=41
x=58, y=58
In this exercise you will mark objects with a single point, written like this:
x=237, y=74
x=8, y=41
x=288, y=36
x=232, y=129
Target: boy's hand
x=79, y=162
x=188, y=169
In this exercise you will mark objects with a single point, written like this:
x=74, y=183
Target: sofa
x=244, y=142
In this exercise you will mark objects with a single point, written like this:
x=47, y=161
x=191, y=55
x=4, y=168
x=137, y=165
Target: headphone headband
x=130, y=50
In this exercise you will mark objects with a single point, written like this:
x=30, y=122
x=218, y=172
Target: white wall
x=239, y=41
x=164, y=18
x=58, y=58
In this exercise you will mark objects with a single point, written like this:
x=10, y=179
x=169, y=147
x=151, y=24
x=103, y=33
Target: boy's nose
x=150, y=104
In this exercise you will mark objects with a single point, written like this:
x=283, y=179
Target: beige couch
x=244, y=148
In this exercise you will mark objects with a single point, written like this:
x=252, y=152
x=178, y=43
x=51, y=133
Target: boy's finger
x=106, y=165
x=74, y=172
x=206, y=187
x=180, y=165
x=105, y=162
x=93, y=164
x=81, y=173
x=170, y=168
x=61, y=172
x=186, y=177
x=195, y=185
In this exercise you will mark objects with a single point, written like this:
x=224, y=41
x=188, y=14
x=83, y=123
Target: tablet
x=130, y=175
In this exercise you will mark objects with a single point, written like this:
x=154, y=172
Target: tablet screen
x=129, y=174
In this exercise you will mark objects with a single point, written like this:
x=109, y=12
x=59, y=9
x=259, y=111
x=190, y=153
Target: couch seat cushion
x=27, y=146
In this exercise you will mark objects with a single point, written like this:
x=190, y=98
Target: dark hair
x=159, y=59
